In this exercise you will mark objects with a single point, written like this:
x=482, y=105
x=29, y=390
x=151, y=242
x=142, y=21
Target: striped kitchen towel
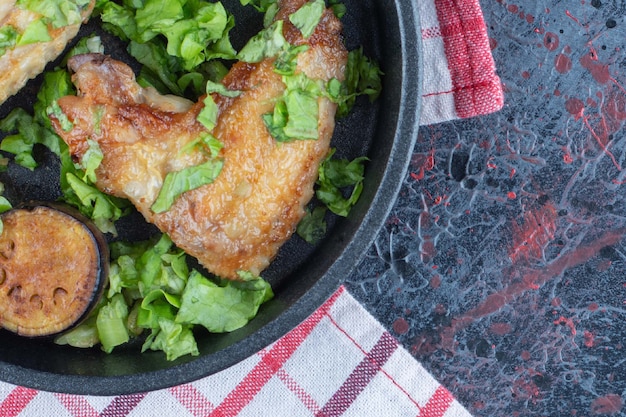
x=338, y=362
x=460, y=79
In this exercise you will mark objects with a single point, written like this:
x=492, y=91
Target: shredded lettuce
x=27, y=134
x=58, y=13
x=91, y=160
x=8, y=38
x=221, y=308
x=102, y=208
x=190, y=178
x=336, y=174
x=208, y=115
x=296, y=113
x=338, y=8
x=191, y=31
x=362, y=78
x=111, y=323
x=308, y=16
x=165, y=300
x=260, y=5
x=267, y=43
x=338, y=188
x=36, y=31
x=312, y=227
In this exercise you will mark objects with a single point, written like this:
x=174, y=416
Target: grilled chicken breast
x=238, y=222
x=21, y=62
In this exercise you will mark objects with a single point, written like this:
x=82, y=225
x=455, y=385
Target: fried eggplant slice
x=53, y=269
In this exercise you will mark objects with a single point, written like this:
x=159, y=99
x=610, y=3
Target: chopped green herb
x=308, y=16
x=178, y=182
x=28, y=135
x=56, y=84
x=260, y=5
x=208, y=115
x=303, y=111
x=56, y=111
x=362, y=78
x=296, y=114
x=58, y=13
x=312, y=227
x=103, y=209
x=206, y=143
x=287, y=60
x=8, y=38
x=267, y=43
x=91, y=160
x=338, y=8
x=335, y=174
x=213, y=87
x=36, y=31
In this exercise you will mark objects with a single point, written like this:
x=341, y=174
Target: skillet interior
x=302, y=276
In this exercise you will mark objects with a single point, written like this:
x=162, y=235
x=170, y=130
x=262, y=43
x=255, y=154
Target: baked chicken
x=239, y=221
x=24, y=56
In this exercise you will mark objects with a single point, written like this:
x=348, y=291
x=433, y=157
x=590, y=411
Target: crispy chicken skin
x=24, y=62
x=238, y=222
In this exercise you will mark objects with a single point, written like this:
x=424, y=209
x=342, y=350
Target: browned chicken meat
x=21, y=61
x=239, y=221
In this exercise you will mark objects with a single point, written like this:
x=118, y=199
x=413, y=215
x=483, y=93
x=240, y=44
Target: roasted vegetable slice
x=53, y=268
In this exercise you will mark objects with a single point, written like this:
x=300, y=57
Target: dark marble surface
x=501, y=269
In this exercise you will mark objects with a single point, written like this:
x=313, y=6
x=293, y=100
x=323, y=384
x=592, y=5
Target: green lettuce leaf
x=363, y=77
x=265, y=44
x=28, y=134
x=36, y=31
x=111, y=323
x=174, y=339
x=336, y=174
x=178, y=182
x=312, y=227
x=221, y=308
x=58, y=12
x=8, y=38
x=308, y=16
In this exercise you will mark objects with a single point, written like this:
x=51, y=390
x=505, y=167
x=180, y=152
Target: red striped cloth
x=340, y=361
x=460, y=79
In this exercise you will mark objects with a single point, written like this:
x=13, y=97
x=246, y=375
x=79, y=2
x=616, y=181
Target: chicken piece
x=238, y=222
x=23, y=62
